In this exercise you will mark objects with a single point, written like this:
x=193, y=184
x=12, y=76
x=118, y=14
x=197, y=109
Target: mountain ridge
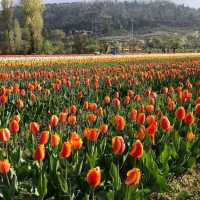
x=190, y=3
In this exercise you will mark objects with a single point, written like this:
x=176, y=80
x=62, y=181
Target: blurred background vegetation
x=98, y=27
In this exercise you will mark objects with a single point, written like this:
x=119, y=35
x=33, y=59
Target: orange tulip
x=3, y=99
x=141, y=118
x=118, y=145
x=4, y=166
x=76, y=141
x=116, y=102
x=137, y=98
x=73, y=109
x=4, y=135
x=16, y=117
x=91, y=134
x=133, y=177
x=92, y=106
x=91, y=118
x=159, y=114
x=71, y=120
x=141, y=133
x=151, y=119
x=94, y=177
x=190, y=136
x=53, y=121
x=22, y=93
x=180, y=113
x=171, y=105
x=149, y=108
x=19, y=103
x=63, y=117
x=106, y=100
x=39, y=153
x=142, y=109
x=127, y=100
x=130, y=93
x=136, y=149
x=14, y=126
x=197, y=109
x=103, y=128
x=197, y=101
x=34, y=128
x=189, y=118
x=165, y=124
x=133, y=115
x=151, y=130
x=44, y=137
x=55, y=140
x=33, y=98
x=47, y=92
x=100, y=112
x=66, y=150
x=86, y=105
x=119, y=122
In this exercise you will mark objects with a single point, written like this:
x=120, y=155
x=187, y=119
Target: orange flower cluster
x=109, y=117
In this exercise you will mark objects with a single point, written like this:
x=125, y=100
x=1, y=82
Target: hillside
x=108, y=18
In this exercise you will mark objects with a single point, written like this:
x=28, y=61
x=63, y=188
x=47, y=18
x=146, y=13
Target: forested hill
x=114, y=18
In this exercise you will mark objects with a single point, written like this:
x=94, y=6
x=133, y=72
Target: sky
x=191, y=3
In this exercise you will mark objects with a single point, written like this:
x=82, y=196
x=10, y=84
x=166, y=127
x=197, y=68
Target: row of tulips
x=110, y=132
x=15, y=61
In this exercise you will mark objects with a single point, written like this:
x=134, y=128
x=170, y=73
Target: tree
x=6, y=24
x=156, y=43
x=48, y=47
x=57, y=38
x=175, y=43
x=33, y=10
x=81, y=42
x=17, y=36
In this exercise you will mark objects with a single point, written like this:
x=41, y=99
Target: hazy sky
x=191, y=3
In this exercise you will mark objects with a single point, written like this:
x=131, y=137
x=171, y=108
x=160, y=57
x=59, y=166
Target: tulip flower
x=133, y=177
x=94, y=177
x=66, y=150
x=118, y=145
x=4, y=166
x=136, y=149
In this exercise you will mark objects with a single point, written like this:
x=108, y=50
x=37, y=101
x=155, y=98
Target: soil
x=184, y=187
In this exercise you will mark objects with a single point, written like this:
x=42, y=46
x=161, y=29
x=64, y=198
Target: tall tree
x=17, y=36
x=6, y=24
x=33, y=11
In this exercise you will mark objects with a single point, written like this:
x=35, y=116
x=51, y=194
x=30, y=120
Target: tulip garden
x=109, y=130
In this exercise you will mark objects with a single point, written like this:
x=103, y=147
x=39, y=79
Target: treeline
x=23, y=31
x=113, y=18
x=15, y=39
x=32, y=27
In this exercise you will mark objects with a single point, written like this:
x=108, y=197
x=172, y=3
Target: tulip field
x=97, y=128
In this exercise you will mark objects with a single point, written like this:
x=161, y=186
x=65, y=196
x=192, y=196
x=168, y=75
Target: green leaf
x=154, y=171
x=92, y=158
x=164, y=156
x=191, y=162
x=63, y=184
x=110, y=195
x=183, y=195
x=173, y=152
x=54, y=164
x=42, y=186
x=86, y=197
x=114, y=173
